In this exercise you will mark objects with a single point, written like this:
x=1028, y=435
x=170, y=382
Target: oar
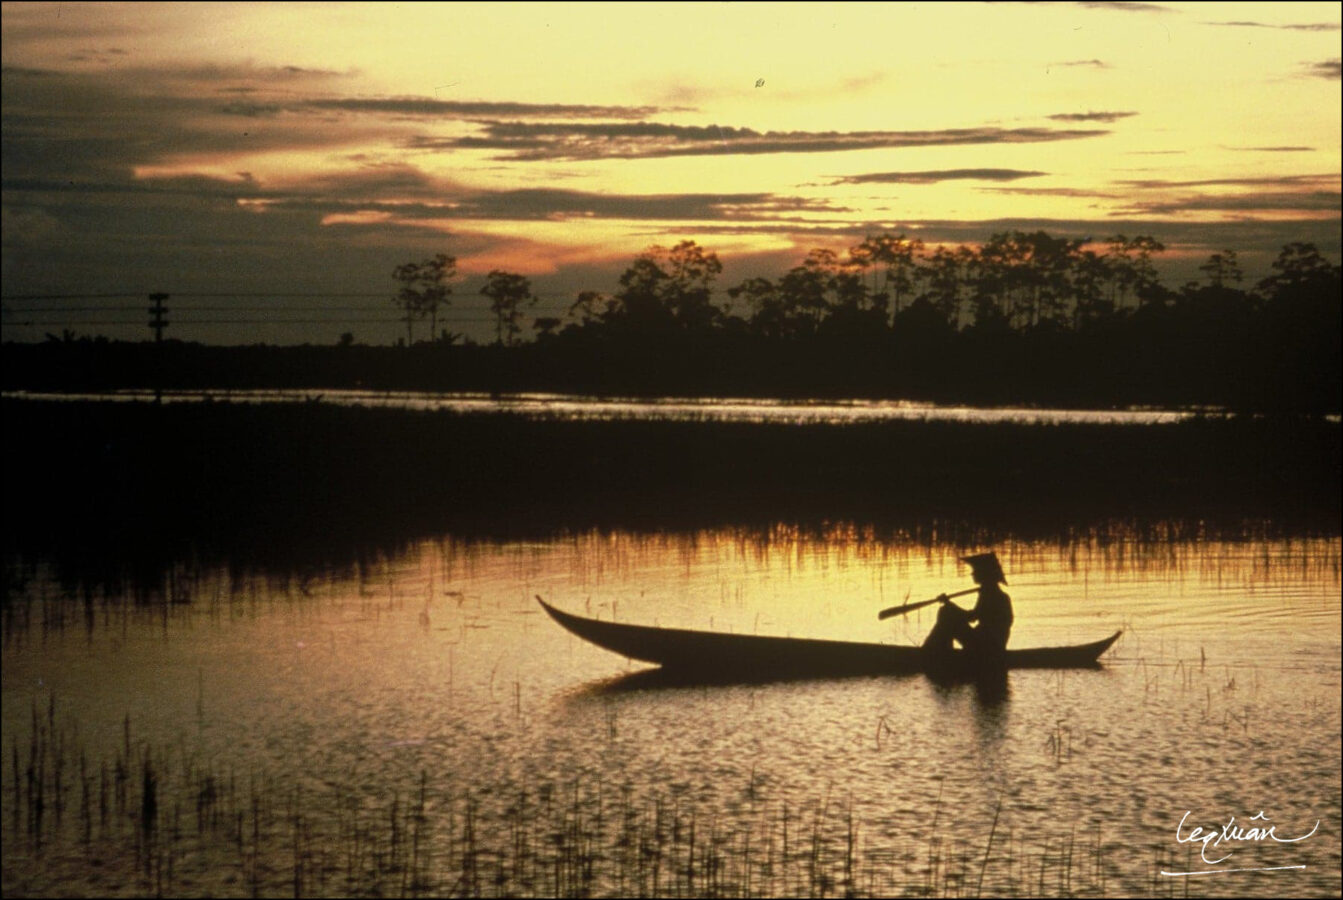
x=910, y=607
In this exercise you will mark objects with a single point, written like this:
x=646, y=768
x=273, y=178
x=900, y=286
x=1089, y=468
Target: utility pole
x=158, y=323
x=158, y=310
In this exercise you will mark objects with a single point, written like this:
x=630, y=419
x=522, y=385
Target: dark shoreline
x=131, y=486
x=1049, y=370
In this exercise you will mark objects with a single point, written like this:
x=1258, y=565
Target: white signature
x=1231, y=833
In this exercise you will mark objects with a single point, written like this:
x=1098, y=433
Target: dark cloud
x=1311, y=26
x=28, y=72
x=1270, y=181
x=202, y=187
x=1077, y=193
x=1274, y=149
x=1074, y=63
x=1247, y=236
x=549, y=203
x=251, y=110
x=424, y=107
x=82, y=127
x=576, y=141
x=1331, y=69
x=353, y=195
x=1124, y=7
x=933, y=177
x=1291, y=201
x=1092, y=116
x=1107, y=4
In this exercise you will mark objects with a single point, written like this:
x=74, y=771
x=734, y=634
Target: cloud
x=99, y=128
x=1076, y=193
x=1331, y=69
x=546, y=204
x=1284, y=149
x=767, y=86
x=1291, y=201
x=935, y=176
x=1124, y=7
x=251, y=110
x=1075, y=63
x=424, y=107
x=554, y=204
x=1092, y=116
x=1311, y=26
x=1115, y=5
x=645, y=140
x=1278, y=181
x=1265, y=237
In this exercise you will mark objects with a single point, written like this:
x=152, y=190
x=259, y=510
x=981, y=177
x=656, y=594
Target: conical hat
x=986, y=568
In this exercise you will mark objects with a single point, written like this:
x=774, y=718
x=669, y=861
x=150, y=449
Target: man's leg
x=953, y=623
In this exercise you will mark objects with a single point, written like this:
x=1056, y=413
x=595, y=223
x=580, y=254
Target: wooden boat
x=710, y=652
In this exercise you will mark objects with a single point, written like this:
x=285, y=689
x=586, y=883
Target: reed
x=254, y=833
x=239, y=472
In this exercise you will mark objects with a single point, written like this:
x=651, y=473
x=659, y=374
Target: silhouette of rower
x=987, y=641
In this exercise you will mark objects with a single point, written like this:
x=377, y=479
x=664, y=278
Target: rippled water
x=418, y=725
x=669, y=409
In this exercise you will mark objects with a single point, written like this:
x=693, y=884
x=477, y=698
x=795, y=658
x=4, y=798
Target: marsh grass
x=341, y=484
x=143, y=819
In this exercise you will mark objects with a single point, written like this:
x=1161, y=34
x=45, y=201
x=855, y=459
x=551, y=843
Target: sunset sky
x=254, y=151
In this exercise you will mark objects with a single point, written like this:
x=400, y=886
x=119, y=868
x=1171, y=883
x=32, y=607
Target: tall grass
x=143, y=819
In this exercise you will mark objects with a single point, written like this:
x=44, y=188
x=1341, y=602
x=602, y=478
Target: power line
x=180, y=308
x=33, y=323
x=450, y=313
x=385, y=295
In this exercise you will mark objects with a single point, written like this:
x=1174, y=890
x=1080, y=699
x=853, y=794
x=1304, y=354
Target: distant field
x=132, y=481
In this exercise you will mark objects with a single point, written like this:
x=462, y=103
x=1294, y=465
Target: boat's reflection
x=990, y=688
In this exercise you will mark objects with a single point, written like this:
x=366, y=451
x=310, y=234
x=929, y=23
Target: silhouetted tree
x=665, y=288
x=424, y=288
x=894, y=255
x=768, y=317
x=1091, y=305
x=1300, y=331
x=545, y=327
x=1299, y=268
x=802, y=293
x=947, y=272
x=585, y=309
x=1221, y=268
x=508, y=292
x=688, y=290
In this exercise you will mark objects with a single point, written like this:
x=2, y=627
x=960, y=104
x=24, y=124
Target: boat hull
x=715, y=652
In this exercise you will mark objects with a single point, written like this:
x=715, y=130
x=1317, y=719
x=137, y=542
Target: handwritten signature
x=1230, y=833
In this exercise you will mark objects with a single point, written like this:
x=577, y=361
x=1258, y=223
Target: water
x=579, y=408
x=417, y=725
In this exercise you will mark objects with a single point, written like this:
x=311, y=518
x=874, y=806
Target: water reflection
x=578, y=408
x=414, y=720
x=657, y=679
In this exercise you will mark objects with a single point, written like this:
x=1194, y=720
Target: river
x=413, y=723
x=583, y=408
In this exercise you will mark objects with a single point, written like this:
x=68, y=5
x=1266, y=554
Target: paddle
x=910, y=607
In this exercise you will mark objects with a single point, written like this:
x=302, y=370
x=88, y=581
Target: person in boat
x=983, y=630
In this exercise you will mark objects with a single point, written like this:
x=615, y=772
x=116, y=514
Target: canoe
x=712, y=652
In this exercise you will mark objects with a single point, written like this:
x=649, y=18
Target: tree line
x=1022, y=316
x=1016, y=281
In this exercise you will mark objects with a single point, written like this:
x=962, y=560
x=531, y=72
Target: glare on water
x=417, y=724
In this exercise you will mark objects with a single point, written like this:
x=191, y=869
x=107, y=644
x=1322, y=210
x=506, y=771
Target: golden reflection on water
x=333, y=699
x=787, y=581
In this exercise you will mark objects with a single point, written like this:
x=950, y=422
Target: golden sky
x=263, y=148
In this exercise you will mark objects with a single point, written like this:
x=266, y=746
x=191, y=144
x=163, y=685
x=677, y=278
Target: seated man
x=993, y=612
